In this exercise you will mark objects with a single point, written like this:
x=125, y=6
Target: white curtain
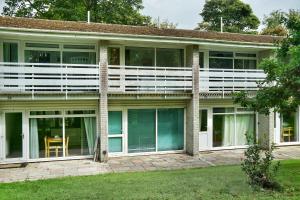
x=244, y=124
x=90, y=129
x=34, y=139
x=228, y=130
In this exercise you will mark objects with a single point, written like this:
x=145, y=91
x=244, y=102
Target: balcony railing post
x=122, y=78
x=66, y=81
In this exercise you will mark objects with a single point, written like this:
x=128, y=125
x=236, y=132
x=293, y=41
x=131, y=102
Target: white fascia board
x=128, y=37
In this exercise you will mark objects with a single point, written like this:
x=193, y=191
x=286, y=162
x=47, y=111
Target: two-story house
x=141, y=90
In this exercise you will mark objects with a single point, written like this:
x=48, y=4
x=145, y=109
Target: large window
x=58, y=133
x=40, y=56
x=169, y=57
x=146, y=56
x=230, y=126
x=56, y=53
x=230, y=60
x=139, y=56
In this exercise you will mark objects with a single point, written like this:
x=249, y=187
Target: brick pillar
x=266, y=129
x=192, y=114
x=103, y=109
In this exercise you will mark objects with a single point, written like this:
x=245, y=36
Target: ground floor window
x=59, y=134
x=230, y=126
x=147, y=130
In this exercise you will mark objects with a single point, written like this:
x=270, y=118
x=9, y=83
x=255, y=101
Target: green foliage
x=106, y=11
x=276, y=23
x=165, y=24
x=237, y=16
x=280, y=89
x=259, y=166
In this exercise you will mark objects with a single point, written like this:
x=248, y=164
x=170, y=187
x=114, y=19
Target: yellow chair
x=287, y=132
x=55, y=145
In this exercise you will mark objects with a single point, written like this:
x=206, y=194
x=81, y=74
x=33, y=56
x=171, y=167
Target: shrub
x=259, y=165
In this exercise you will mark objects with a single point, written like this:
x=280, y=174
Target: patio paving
x=46, y=170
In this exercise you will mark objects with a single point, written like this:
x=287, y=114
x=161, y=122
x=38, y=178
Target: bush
x=259, y=166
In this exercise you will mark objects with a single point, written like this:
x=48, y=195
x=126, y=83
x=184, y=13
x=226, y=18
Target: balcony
x=45, y=77
x=36, y=78
x=123, y=79
x=229, y=80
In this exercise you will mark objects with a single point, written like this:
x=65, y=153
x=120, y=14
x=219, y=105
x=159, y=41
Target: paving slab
x=55, y=169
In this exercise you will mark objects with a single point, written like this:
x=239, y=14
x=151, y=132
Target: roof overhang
x=23, y=32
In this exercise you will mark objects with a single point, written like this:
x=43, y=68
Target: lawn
x=222, y=182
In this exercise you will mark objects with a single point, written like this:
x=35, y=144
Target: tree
x=106, y=11
x=165, y=24
x=281, y=88
x=237, y=16
x=274, y=24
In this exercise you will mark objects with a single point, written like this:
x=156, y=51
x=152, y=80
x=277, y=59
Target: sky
x=186, y=12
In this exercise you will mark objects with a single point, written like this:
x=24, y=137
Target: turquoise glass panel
x=141, y=130
x=114, y=122
x=115, y=145
x=170, y=127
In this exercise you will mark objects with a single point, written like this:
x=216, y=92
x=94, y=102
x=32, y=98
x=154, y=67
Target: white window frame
x=206, y=60
x=61, y=48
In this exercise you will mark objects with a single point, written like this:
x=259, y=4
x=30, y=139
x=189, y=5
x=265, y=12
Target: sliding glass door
x=141, y=130
x=62, y=133
x=170, y=129
x=152, y=130
x=231, y=125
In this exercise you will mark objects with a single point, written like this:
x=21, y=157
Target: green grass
x=222, y=182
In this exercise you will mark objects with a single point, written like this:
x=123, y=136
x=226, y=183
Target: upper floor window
x=10, y=52
x=201, y=59
x=113, y=55
x=56, y=53
x=169, y=57
x=147, y=56
x=230, y=60
x=139, y=56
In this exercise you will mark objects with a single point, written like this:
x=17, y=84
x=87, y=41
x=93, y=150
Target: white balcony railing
x=229, y=80
x=70, y=78
x=38, y=78
x=149, y=79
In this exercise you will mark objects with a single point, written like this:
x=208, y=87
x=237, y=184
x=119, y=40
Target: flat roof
x=84, y=27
